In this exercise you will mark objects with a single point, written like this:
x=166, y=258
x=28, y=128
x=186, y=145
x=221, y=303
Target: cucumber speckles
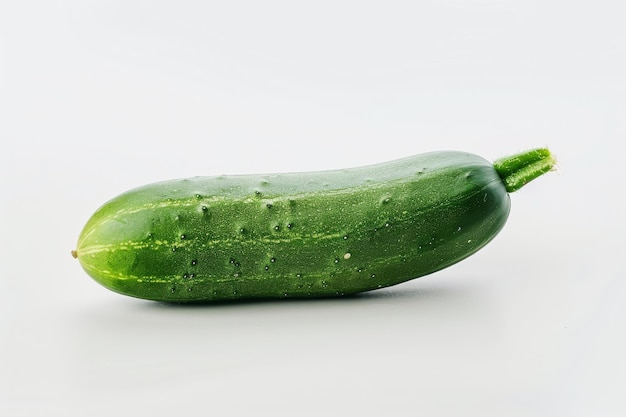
x=303, y=234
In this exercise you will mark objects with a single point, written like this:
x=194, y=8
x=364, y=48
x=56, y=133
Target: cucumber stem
x=518, y=170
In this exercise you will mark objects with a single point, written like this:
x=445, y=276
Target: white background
x=97, y=97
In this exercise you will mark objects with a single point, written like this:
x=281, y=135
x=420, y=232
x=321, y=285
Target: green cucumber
x=313, y=234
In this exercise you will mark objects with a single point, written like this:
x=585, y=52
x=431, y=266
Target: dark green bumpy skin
x=297, y=235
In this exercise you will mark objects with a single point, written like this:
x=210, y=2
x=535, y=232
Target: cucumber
x=315, y=234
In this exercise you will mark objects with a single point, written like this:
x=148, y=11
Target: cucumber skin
x=314, y=234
